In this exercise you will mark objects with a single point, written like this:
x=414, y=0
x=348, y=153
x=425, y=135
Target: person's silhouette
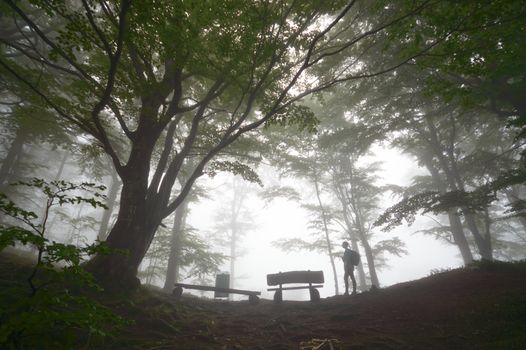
x=348, y=267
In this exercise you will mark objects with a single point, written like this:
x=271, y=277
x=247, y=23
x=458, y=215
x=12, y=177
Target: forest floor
x=479, y=307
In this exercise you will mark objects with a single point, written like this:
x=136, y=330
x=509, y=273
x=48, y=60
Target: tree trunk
x=172, y=271
x=131, y=235
x=13, y=157
x=62, y=165
x=364, y=239
x=135, y=226
x=362, y=281
x=459, y=238
x=327, y=237
x=140, y=213
x=368, y=253
x=455, y=224
x=11, y=162
x=456, y=183
x=233, y=255
x=233, y=235
x=483, y=242
x=115, y=185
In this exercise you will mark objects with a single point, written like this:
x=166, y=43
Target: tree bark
x=136, y=223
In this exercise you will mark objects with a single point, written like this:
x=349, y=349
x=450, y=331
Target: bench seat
x=252, y=295
x=296, y=277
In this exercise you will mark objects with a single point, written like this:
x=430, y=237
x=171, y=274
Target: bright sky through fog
x=285, y=219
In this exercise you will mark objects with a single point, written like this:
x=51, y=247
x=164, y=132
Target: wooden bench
x=310, y=277
x=252, y=295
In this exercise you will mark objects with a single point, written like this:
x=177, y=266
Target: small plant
x=47, y=311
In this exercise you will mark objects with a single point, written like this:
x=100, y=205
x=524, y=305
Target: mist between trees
x=198, y=117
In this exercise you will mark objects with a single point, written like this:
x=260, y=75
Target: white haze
x=285, y=219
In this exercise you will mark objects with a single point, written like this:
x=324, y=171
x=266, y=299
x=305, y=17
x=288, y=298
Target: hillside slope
x=479, y=307
x=482, y=307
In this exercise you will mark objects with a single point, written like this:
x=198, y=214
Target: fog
x=155, y=154
x=286, y=219
x=256, y=146
x=268, y=222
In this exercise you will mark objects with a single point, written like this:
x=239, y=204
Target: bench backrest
x=275, y=279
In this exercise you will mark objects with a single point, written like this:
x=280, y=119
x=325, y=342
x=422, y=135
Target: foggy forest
x=262, y=174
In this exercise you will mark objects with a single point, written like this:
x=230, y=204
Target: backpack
x=352, y=257
x=355, y=258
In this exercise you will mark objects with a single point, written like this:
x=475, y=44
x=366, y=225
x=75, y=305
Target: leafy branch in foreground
x=48, y=311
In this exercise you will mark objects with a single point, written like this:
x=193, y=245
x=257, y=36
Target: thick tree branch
x=177, y=162
x=106, y=96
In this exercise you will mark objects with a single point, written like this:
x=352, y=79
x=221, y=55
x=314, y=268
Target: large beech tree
x=155, y=83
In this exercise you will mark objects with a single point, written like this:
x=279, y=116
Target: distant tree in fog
x=233, y=220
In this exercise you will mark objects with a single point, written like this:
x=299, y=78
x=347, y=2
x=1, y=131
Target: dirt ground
x=482, y=307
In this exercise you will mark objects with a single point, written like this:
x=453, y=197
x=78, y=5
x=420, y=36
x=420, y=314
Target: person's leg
x=353, y=281
x=346, y=280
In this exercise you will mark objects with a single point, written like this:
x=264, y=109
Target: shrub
x=50, y=309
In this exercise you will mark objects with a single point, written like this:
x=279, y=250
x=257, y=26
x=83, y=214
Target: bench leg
x=253, y=299
x=177, y=292
x=314, y=294
x=278, y=296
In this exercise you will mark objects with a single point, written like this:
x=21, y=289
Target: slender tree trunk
x=455, y=224
x=364, y=240
x=11, y=162
x=233, y=254
x=455, y=182
x=233, y=235
x=459, y=238
x=115, y=185
x=483, y=240
x=13, y=157
x=327, y=236
x=61, y=166
x=362, y=281
x=368, y=251
x=349, y=203
x=172, y=271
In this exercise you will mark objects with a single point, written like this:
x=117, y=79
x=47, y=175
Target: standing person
x=350, y=258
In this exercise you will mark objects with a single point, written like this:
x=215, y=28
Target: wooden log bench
x=252, y=295
x=297, y=277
